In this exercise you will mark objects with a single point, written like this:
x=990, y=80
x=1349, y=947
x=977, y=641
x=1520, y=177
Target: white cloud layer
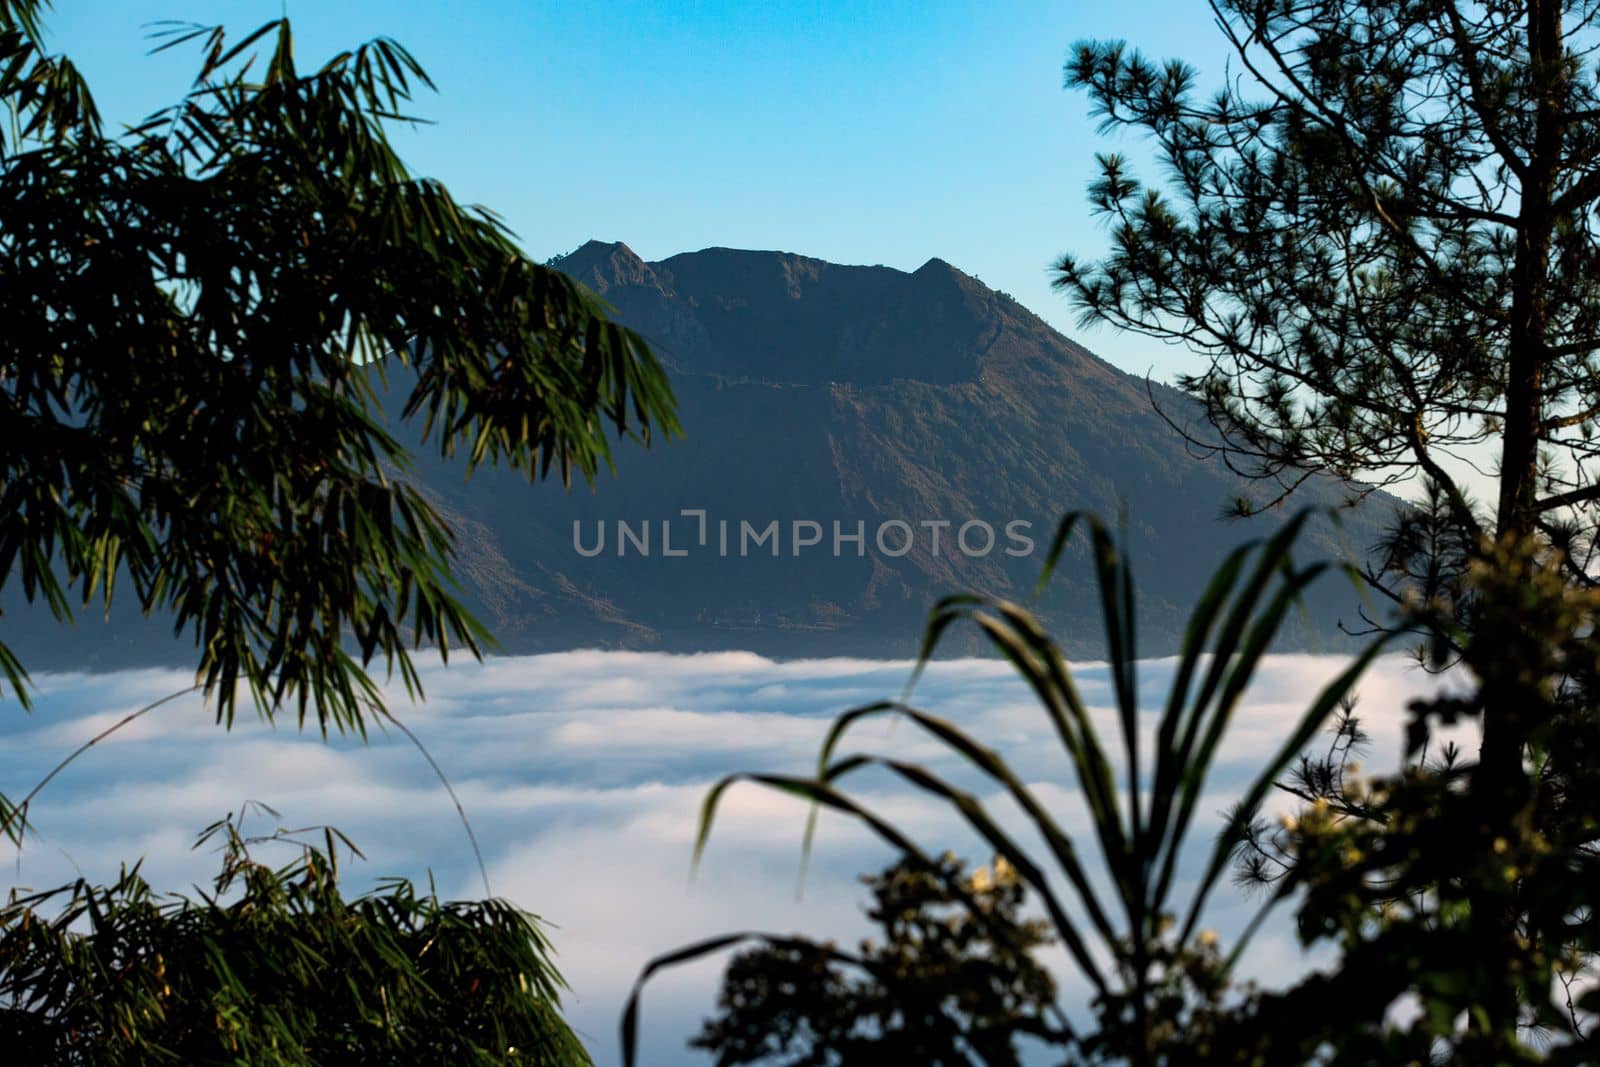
x=583, y=774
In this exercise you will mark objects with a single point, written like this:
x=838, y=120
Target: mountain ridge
x=831, y=395
x=919, y=395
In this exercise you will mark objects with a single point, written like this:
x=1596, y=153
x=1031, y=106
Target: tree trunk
x=1501, y=781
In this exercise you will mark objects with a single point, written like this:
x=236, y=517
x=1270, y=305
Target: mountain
x=815, y=394
x=818, y=393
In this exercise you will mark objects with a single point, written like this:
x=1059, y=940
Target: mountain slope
x=814, y=393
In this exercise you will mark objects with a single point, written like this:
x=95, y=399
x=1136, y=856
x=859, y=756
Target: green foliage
x=198, y=310
x=937, y=981
x=1382, y=243
x=275, y=966
x=1163, y=975
x=1347, y=229
x=1412, y=877
x=1411, y=874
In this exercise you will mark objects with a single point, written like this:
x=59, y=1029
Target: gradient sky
x=884, y=132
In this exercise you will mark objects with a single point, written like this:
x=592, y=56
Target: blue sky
x=884, y=132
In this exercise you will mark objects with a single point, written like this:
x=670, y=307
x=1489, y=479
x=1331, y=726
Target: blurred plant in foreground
x=1412, y=877
x=275, y=966
x=1158, y=979
x=1413, y=874
x=937, y=978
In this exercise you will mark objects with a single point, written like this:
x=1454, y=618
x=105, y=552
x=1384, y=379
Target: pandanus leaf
x=1231, y=630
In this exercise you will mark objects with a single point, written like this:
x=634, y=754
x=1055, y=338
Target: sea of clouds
x=583, y=775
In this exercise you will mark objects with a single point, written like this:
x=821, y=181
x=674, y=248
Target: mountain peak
x=859, y=397
x=938, y=275
x=602, y=265
x=786, y=318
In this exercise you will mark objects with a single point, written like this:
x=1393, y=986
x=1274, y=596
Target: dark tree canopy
x=195, y=311
x=938, y=984
x=1381, y=231
x=1380, y=235
x=276, y=966
x=199, y=313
